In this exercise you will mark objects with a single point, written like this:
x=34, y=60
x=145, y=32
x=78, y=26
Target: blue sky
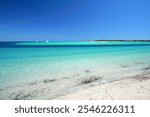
x=74, y=20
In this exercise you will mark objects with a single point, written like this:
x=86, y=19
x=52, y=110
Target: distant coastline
x=120, y=40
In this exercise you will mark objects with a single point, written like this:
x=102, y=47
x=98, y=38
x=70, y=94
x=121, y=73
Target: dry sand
x=83, y=88
x=137, y=87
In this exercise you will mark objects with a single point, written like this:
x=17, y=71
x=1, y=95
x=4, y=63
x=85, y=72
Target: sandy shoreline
x=126, y=89
x=83, y=88
x=134, y=88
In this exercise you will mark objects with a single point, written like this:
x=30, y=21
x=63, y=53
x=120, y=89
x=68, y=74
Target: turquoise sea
x=27, y=62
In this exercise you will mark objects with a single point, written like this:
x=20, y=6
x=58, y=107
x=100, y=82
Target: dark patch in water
x=140, y=63
x=47, y=80
x=147, y=68
x=76, y=75
x=91, y=80
x=65, y=77
x=124, y=66
x=87, y=71
x=33, y=83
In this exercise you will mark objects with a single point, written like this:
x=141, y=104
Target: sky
x=74, y=20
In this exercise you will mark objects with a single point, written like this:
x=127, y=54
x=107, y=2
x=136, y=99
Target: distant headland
x=119, y=40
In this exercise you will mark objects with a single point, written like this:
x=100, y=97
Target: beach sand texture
x=134, y=88
x=131, y=88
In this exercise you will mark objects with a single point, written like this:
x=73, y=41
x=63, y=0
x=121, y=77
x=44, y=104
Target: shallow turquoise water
x=24, y=62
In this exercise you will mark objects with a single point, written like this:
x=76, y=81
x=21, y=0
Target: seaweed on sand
x=142, y=77
x=33, y=83
x=87, y=71
x=90, y=80
x=20, y=96
x=47, y=80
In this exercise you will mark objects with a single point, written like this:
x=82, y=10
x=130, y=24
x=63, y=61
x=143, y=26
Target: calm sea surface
x=26, y=62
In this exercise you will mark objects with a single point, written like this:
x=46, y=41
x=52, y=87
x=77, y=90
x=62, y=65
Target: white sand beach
x=81, y=88
x=137, y=88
